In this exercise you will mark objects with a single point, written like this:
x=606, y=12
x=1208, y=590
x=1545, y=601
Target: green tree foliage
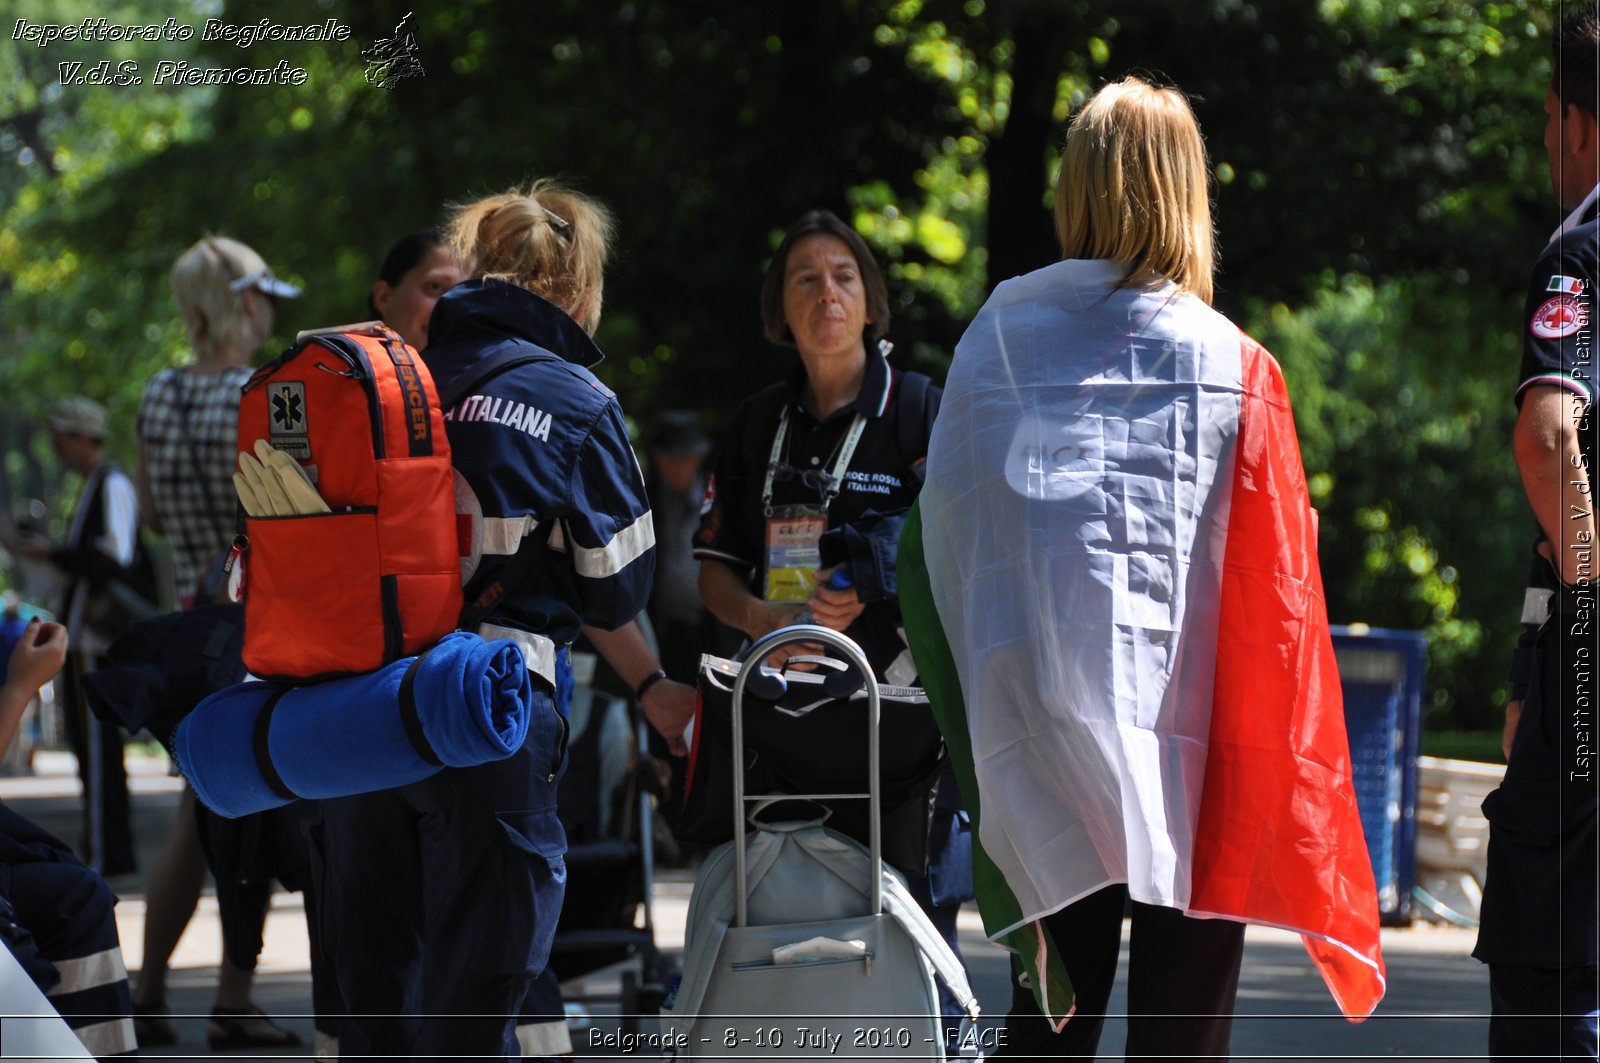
x=1422, y=522
x=1380, y=190
x=77, y=313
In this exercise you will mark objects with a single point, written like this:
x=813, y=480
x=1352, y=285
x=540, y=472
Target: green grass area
x=1463, y=745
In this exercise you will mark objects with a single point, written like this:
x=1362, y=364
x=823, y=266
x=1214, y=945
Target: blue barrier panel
x=1382, y=674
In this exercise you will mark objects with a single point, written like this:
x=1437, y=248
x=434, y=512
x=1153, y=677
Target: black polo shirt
x=1539, y=898
x=884, y=475
x=1558, y=351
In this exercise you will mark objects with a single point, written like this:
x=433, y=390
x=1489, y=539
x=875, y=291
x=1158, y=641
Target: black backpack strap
x=507, y=356
x=411, y=719
x=911, y=401
x=261, y=746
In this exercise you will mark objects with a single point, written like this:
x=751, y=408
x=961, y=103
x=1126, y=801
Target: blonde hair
x=1134, y=187
x=545, y=238
x=213, y=312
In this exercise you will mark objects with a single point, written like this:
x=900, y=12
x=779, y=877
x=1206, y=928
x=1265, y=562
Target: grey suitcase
x=800, y=942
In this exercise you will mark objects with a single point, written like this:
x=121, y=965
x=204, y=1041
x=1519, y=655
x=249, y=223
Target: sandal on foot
x=152, y=1026
x=247, y=1027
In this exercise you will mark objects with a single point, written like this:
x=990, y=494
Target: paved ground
x=1434, y=1009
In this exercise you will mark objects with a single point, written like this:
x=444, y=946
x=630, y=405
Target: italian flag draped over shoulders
x=1111, y=588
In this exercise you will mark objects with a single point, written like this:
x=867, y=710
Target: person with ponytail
x=444, y=895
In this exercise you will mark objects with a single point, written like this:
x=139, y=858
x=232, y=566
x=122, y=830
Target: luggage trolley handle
x=757, y=653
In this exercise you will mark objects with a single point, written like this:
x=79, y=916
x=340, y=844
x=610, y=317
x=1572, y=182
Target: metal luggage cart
x=800, y=941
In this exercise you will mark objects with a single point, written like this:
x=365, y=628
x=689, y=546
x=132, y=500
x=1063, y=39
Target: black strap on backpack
x=507, y=356
x=911, y=400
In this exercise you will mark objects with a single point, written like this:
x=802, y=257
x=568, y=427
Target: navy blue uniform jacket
x=541, y=450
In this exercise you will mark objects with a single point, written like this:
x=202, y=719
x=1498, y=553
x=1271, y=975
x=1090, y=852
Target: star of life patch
x=286, y=418
x=1559, y=317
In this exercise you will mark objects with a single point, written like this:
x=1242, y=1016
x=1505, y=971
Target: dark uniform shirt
x=1558, y=348
x=883, y=478
x=1539, y=903
x=1558, y=351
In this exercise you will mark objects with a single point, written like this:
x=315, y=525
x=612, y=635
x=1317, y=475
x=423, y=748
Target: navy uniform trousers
x=56, y=916
x=1538, y=926
x=440, y=899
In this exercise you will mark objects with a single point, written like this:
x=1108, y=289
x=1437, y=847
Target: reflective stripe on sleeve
x=503, y=535
x=625, y=547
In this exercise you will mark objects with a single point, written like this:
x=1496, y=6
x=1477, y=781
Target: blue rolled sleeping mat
x=260, y=745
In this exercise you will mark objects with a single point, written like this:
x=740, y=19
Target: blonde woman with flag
x=1116, y=606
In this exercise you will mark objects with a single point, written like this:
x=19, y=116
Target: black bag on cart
x=801, y=738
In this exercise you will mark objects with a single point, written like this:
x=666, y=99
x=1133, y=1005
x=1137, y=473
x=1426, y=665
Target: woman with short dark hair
x=832, y=448
x=813, y=479
x=874, y=291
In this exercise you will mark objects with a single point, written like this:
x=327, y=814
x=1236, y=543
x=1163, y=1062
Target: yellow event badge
x=793, y=552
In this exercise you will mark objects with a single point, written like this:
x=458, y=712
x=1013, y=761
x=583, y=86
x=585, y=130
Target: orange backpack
x=378, y=578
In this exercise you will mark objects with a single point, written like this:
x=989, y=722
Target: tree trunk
x=1022, y=235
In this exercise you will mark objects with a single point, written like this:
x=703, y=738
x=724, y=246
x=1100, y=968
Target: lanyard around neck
x=847, y=450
